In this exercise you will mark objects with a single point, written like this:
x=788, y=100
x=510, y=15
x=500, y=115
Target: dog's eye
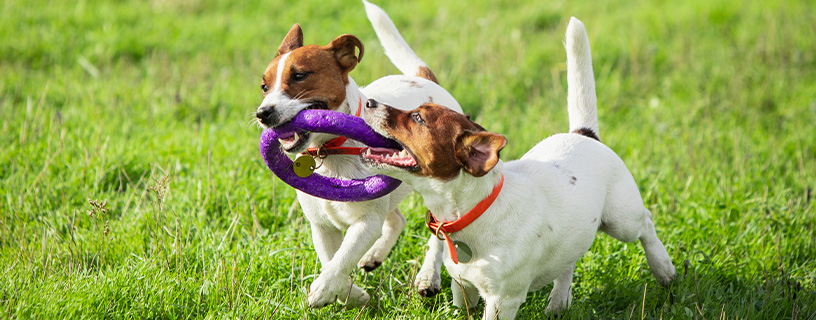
x=417, y=118
x=264, y=88
x=299, y=76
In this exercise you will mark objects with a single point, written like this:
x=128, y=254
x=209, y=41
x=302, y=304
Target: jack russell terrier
x=514, y=227
x=316, y=77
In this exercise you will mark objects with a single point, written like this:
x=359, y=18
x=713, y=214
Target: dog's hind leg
x=656, y=255
x=561, y=294
x=429, y=278
x=626, y=219
x=391, y=230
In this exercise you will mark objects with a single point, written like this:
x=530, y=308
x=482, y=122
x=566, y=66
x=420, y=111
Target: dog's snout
x=266, y=115
x=371, y=103
x=263, y=112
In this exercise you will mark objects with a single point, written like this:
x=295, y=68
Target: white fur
x=554, y=200
x=581, y=100
x=371, y=227
x=279, y=72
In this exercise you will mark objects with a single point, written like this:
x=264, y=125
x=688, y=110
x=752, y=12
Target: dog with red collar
x=304, y=77
x=514, y=227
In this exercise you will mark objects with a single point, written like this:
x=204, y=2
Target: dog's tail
x=581, y=100
x=395, y=46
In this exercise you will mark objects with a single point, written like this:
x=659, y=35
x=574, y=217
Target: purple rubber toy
x=334, y=189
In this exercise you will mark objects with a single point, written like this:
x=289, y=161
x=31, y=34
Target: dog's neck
x=353, y=97
x=449, y=200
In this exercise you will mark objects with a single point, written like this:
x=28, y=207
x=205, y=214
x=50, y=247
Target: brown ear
x=478, y=151
x=292, y=41
x=345, y=52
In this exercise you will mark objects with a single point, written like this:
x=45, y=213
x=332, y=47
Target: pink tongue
x=288, y=137
x=378, y=150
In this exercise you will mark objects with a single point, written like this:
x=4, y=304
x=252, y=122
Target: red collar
x=446, y=227
x=334, y=145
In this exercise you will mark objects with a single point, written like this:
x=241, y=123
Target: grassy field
x=131, y=185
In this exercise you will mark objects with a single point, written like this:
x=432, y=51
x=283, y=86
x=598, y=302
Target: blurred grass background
x=132, y=184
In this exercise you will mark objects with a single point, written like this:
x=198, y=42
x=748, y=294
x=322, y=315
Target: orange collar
x=446, y=227
x=334, y=145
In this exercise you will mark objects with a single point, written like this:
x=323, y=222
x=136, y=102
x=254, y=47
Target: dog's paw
x=662, y=269
x=355, y=297
x=373, y=258
x=557, y=306
x=428, y=284
x=369, y=265
x=325, y=290
x=665, y=275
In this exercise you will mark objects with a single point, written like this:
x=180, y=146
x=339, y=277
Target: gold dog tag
x=463, y=252
x=304, y=166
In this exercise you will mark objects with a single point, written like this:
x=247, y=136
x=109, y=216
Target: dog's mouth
x=293, y=141
x=403, y=158
x=319, y=105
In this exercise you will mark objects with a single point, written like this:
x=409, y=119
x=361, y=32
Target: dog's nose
x=266, y=114
x=263, y=113
x=371, y=103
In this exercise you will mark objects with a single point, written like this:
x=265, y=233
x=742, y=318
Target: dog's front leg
x=327, y=240
x=429, y=278
x=334, y=282
x=465, y=295
x=503, y=307
x=391, y=230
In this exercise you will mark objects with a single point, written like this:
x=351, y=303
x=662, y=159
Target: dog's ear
x=478, y=151
x=345, y=51
x=292, y=41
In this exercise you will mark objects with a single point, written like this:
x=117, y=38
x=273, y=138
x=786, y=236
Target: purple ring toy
x=334, y=189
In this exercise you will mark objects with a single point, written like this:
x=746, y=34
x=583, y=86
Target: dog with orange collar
x=515, y=227
x=304, y=77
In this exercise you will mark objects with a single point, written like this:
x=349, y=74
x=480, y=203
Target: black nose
x=267, y=116
x=371, y=103
x=263, y=113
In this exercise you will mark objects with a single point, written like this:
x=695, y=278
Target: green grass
x=146, y=106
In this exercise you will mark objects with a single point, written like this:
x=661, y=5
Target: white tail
x=395, y=46
x=581, y=100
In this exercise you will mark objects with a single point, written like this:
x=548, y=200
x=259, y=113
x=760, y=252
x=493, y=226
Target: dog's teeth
x=297, y=137
x=368, y=151
x=403, y=153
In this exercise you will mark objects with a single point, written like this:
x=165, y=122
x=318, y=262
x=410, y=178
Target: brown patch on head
x=313, y=73
x=425, y=72
x=587, y=132
x=443, y=141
